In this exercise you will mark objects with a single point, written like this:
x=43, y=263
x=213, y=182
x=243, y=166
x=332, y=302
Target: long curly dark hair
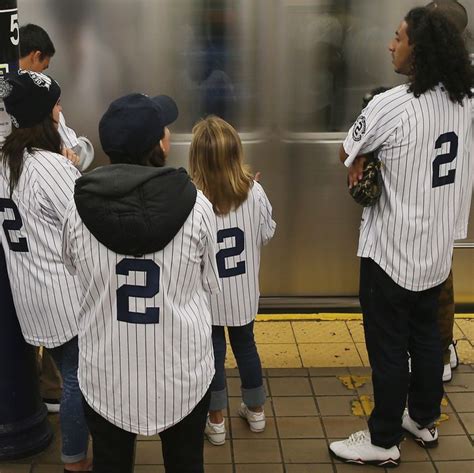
x=439, y=55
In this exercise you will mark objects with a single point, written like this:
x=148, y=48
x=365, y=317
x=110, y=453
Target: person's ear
x=36, y=56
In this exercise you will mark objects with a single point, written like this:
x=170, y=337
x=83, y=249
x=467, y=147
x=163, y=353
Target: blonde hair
x=216, y=164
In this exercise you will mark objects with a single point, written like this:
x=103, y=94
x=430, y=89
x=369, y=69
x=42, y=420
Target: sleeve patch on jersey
x=359, y=128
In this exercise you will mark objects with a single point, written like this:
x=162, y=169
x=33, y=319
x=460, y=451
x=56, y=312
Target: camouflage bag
x=368, y=190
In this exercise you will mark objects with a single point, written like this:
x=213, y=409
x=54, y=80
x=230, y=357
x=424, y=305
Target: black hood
x=132, y=209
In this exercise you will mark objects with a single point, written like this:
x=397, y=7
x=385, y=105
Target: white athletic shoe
x=447, y=373
x=215, y=433
x=453, y=359
x=427, y=437
x=53, y=405
x=358, y=449
x=256, y=420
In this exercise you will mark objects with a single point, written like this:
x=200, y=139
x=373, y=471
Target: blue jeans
x=74, y=431
x=243, y=346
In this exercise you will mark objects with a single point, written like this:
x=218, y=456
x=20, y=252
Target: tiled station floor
x=319, y=389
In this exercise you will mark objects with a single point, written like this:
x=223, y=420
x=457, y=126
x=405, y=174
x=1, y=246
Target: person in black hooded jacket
x=141, y=240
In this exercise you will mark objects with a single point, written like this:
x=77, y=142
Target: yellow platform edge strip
x=326, y=317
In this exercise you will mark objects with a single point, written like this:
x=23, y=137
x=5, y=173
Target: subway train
x=290, y=75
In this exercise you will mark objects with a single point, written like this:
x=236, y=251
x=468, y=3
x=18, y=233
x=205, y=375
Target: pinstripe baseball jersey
x=424, y=146
x=46, y=296
x=146, y=356
x=240, y=236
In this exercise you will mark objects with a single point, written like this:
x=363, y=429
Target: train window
x=296, y=65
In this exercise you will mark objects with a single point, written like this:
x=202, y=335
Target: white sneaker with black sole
x=53, y=405
x=256, y=420
x=426, y=437
x=447, y=373
x=358, y=449
x=453, y=358
x=215, y=433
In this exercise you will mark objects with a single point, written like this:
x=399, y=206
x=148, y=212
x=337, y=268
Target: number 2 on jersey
x=235, y=250
x=150, y=289
x=446, y=158
x=15, y=224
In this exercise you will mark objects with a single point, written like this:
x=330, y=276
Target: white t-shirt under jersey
x=240, y=235
x=46, y=296
x=145, y=377
x=424, y=145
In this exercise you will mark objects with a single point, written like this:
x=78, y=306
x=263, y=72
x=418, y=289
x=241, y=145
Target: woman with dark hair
x=421, y=133
x=36, y=185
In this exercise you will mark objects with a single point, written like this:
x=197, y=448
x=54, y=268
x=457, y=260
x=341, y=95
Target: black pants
x=398, y=321
x=182, y=444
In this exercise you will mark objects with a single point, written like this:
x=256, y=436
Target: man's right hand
x=356, y=171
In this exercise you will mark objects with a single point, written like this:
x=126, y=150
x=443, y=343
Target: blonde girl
x=244, y=224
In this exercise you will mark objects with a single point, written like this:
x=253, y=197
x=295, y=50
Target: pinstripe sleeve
x=462, y=220
x=68, y=254
x=267, y=224
x=58, y=177
x=376, y=123
x=210, y=273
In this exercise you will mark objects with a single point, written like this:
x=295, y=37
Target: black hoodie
x=134, y=210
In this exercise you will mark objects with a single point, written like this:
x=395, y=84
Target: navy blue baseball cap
x=134, y=124
x=32, y=97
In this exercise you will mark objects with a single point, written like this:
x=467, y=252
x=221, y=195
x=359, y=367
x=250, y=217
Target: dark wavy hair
x=439, y=55
x=43, y=136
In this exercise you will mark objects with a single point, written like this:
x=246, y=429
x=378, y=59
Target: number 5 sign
x=9, y=36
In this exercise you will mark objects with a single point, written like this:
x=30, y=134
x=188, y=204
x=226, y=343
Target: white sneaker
x=447, y=373
x=427, y=437
x=256, y=420
x=215, y=433
x=359, y=449
x=453, y=359
x=53, y=405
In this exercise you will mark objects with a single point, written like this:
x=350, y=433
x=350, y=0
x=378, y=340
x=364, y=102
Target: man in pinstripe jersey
x=421, y=132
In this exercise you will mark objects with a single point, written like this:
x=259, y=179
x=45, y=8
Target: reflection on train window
x=337, y=51
x=213, y=63
x=316, y=61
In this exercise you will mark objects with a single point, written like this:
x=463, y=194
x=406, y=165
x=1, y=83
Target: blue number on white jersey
x=446, y=158
x=151, y=288
x=235, y=250
x=15, y=224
